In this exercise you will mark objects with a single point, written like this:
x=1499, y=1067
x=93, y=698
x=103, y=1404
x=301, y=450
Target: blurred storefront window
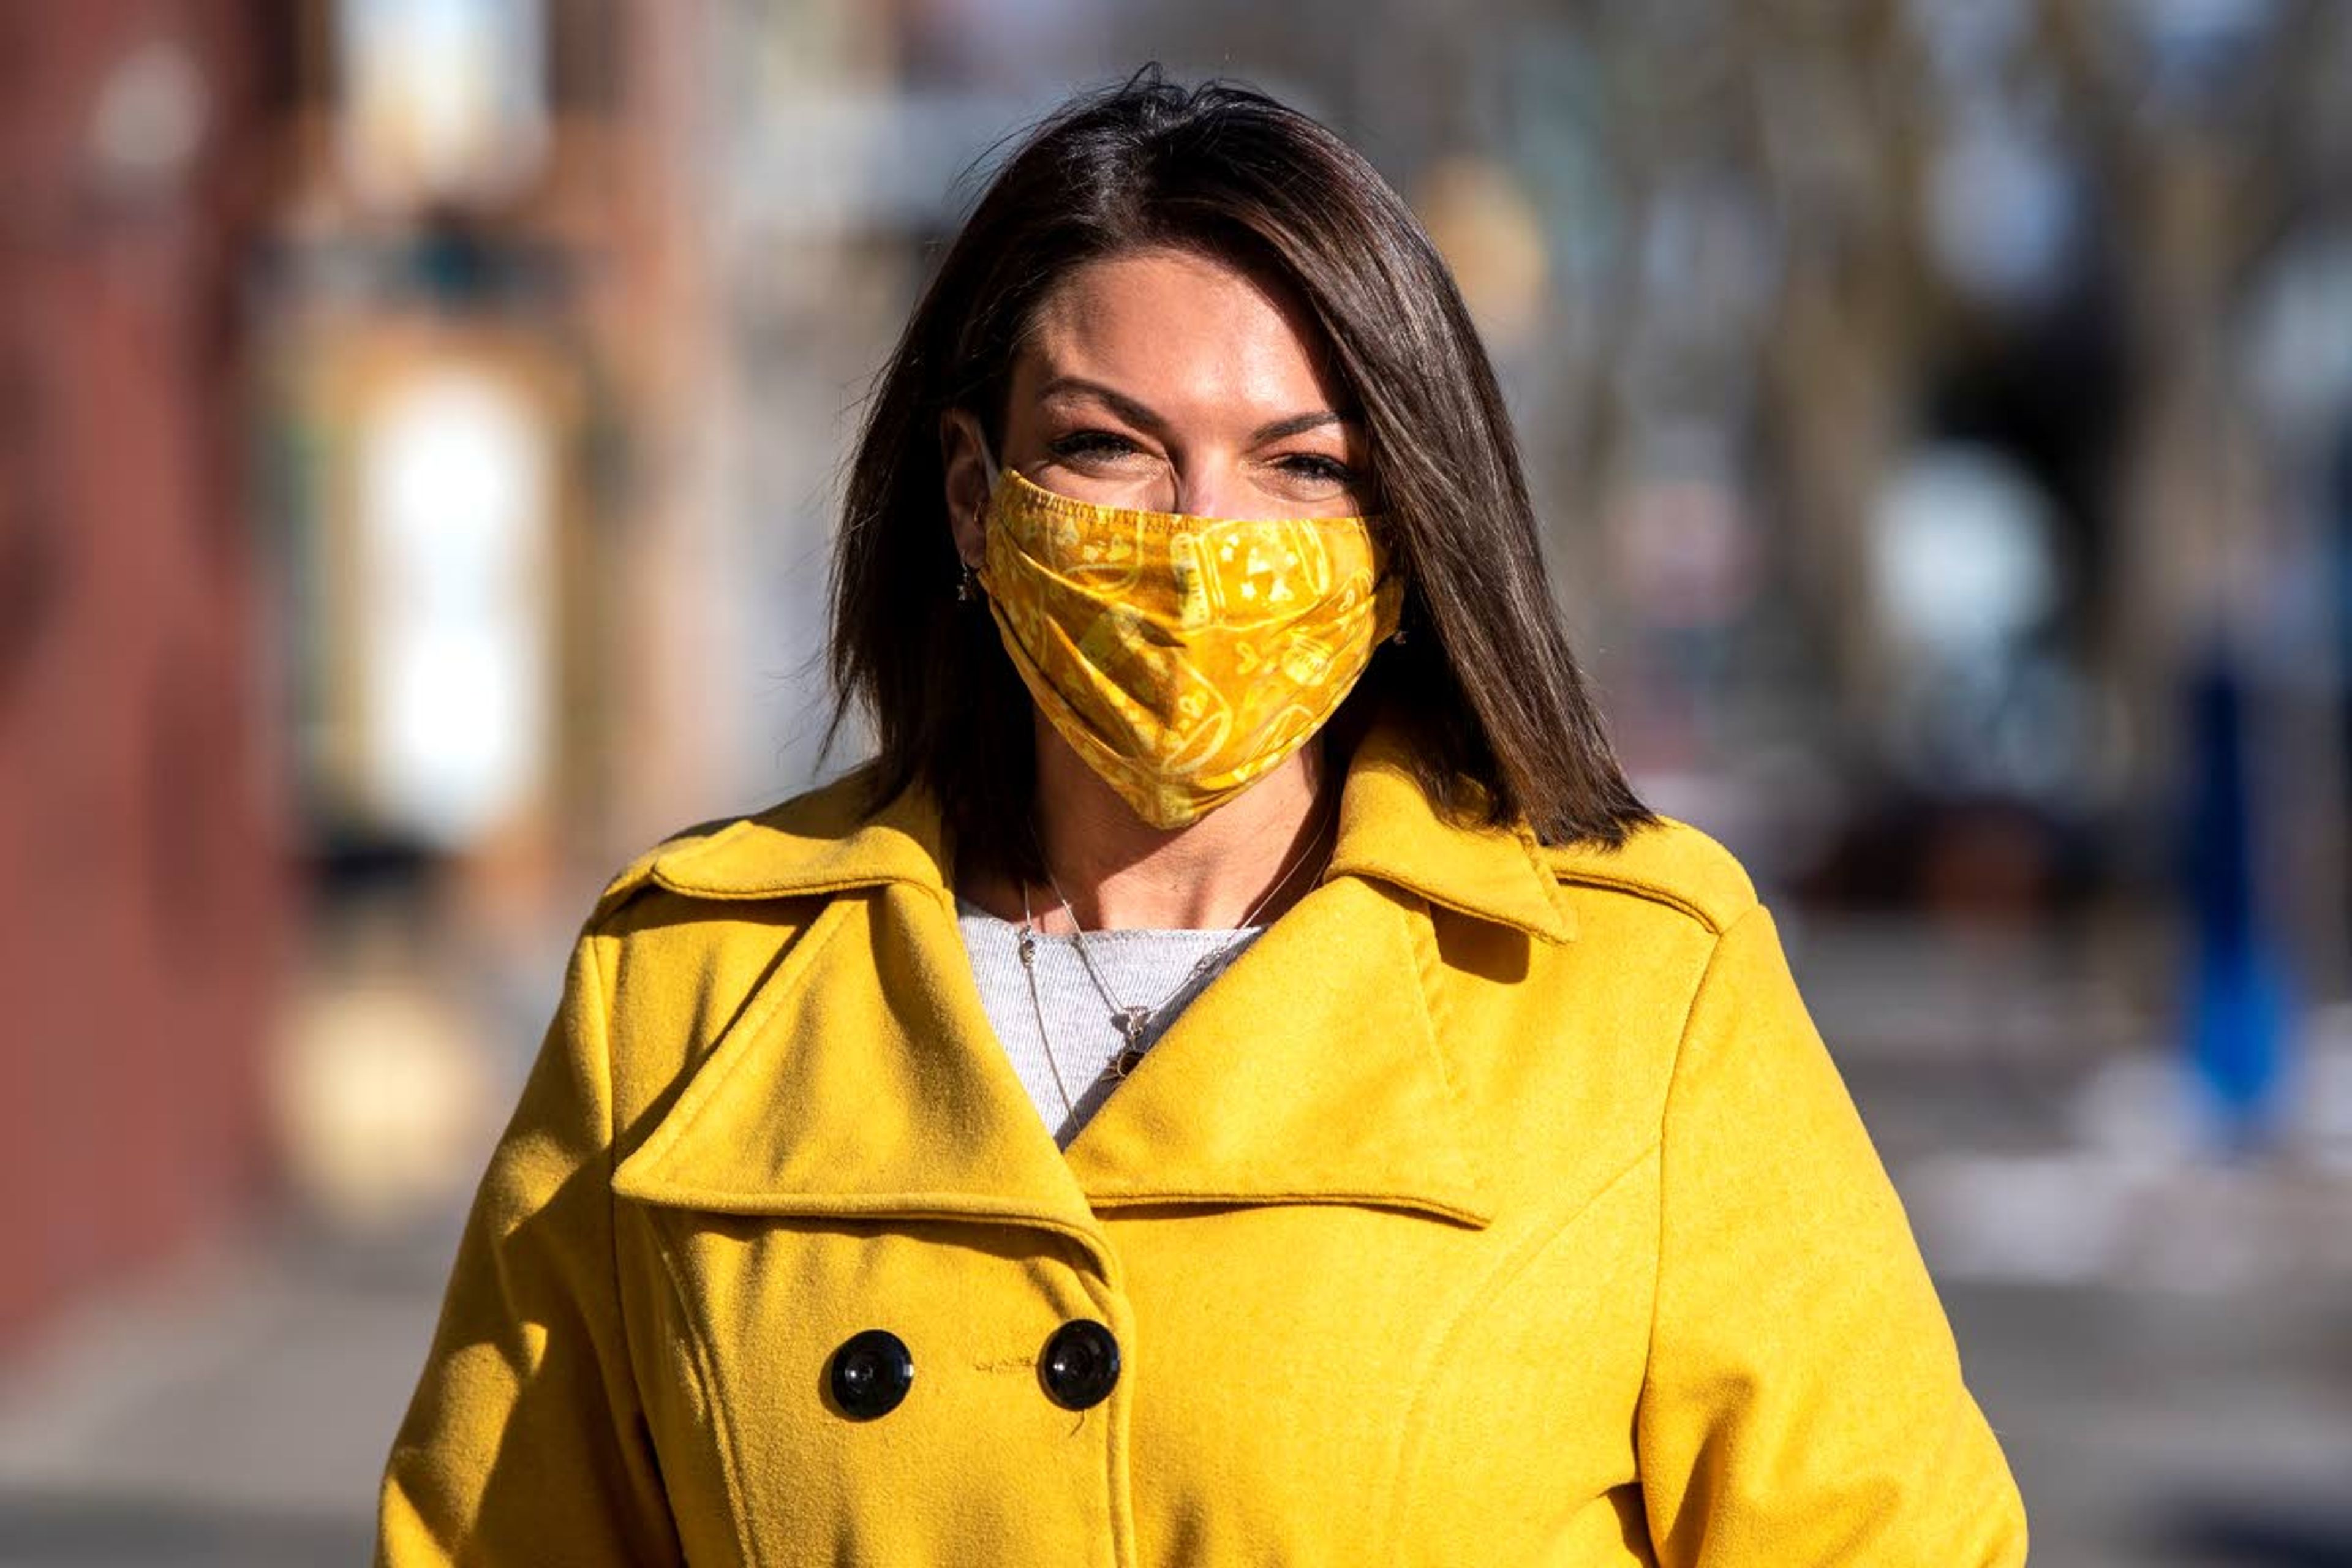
x=442, y=99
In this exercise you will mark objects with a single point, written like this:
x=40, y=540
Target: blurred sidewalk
x=2161, y=1430
x=2162, y=1338
x=235, y=1411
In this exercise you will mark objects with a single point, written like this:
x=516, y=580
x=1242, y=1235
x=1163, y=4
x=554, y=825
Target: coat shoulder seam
x=1707, y=975
x=1668, y=862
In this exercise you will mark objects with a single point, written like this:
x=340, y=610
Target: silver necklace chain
x=1131, y=1021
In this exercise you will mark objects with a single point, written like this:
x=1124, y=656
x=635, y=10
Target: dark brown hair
x=1496, y=712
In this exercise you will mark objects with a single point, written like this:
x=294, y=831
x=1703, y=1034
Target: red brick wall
x=142, y=893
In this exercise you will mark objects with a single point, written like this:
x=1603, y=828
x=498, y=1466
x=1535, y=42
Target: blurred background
x=420, y=426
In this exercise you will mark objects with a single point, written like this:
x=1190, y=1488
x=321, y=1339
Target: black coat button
x=1080, y=1364
x=871, y=1373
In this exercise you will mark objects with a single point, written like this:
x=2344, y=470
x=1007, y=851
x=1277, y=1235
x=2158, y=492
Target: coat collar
x=863, y=1077
x=862, y=1081
x=1388, y=831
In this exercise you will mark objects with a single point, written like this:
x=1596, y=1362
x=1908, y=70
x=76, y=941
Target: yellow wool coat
x=1499, y=1205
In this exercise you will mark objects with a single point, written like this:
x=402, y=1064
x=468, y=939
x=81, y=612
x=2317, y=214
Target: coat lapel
x=862, y=1079
x=1305, y=1073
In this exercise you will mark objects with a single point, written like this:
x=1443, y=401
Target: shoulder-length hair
x=1499, y=722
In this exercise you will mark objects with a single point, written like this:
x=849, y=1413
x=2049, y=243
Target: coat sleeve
x=1804, y=1403
x=524, y=1442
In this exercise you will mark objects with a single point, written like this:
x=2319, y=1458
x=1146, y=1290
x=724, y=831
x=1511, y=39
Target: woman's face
x=1168, y=380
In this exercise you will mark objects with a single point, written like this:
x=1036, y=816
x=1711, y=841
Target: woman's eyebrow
x=1126, y=407
x=1144, y=418
x=1298, y=423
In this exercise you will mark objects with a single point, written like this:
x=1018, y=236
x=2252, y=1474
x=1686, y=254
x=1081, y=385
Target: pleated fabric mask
x=1182, y=657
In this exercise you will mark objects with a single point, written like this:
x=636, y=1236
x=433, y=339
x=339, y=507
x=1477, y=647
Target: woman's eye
x=1091, y=444
x=1322, y=469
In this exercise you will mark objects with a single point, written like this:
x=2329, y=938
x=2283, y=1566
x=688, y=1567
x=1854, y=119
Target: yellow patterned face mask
x=1182, y=657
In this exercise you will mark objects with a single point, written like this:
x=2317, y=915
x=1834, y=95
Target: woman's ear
x=960, y=445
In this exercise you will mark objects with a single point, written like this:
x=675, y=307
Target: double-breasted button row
x=873, y=1370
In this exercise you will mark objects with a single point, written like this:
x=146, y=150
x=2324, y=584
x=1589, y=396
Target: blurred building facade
x=481, y=327
x=141, y=878
x=348, y=586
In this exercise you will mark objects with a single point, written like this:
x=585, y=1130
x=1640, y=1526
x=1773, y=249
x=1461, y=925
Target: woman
x=1238, y=1077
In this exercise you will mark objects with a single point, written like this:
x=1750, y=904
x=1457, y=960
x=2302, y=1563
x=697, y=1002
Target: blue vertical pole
x=2238, y=1002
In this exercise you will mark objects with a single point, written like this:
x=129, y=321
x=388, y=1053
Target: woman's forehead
x=1176, y=329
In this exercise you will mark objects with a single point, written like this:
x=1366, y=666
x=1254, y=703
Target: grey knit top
x=1160, y=969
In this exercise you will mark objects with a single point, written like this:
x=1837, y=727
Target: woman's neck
x=1119, y=871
